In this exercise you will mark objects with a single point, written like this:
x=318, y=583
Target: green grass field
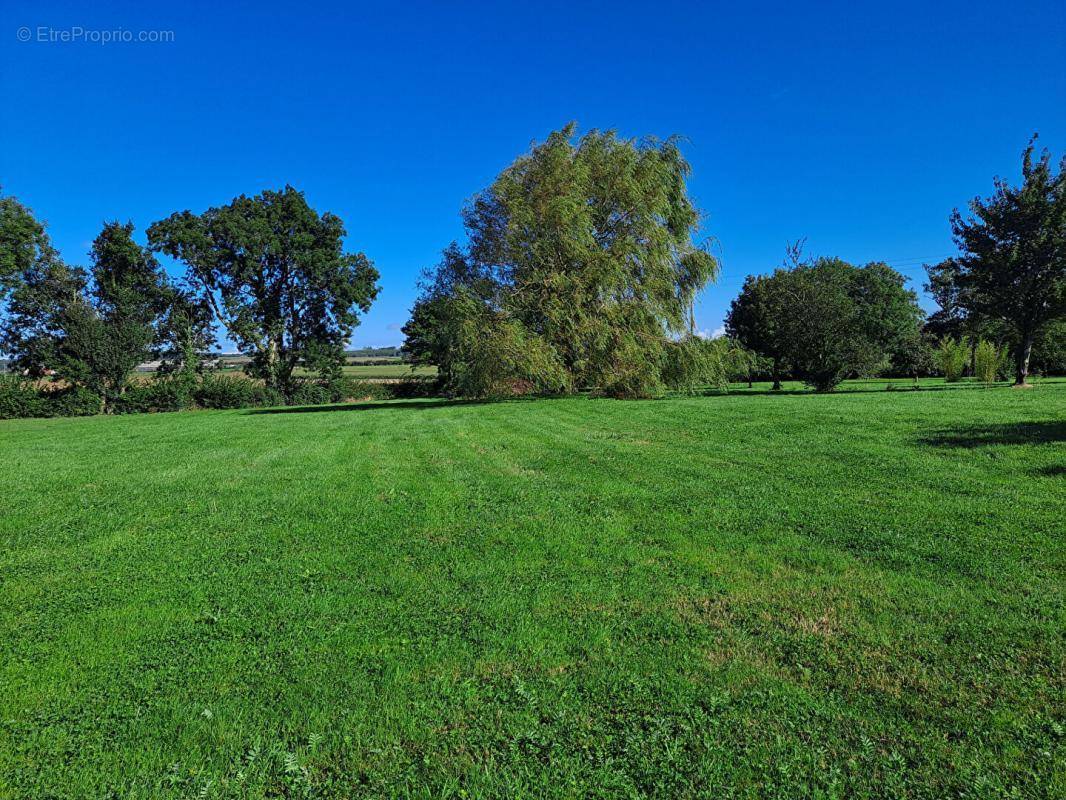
x=748, y=595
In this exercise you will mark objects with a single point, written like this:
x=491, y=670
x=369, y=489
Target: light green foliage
x=493, y=355
x=733, y=596
x=989, y=361
x=587, y=247
x=952, y=357
x=694, y=364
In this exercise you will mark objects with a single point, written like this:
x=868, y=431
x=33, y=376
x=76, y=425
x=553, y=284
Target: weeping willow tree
x=582, y=256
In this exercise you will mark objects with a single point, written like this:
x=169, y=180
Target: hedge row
x=21, y=399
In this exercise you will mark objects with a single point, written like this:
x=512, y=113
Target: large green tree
x=582, y=252
x=1011, y=265
x=840, y=320
x=90, y=328
x=276, y=275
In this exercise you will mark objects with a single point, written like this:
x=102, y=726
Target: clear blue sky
x=858, y=126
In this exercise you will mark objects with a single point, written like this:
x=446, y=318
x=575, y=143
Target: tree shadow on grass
x=842, y=391
x=378, y=405
x=970, y=436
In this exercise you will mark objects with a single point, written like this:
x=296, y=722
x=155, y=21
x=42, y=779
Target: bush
x=412, y=387
x=309, y=393
x=20, y=399
x=952, y=356
x=989, y=361
x=158, y=394
x=349, y=388
x=221, y=391
x=73, y=401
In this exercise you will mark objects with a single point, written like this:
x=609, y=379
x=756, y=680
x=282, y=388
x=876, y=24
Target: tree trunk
x=777, y=378
x=272, y=365
x=1024, y=351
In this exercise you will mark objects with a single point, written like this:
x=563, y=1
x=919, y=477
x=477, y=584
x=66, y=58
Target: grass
x=748, y=595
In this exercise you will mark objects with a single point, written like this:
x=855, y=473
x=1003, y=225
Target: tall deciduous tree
x=1012, y=255
x=92, y=328
x=583, y=251
x=276, y=275
x=757, y=318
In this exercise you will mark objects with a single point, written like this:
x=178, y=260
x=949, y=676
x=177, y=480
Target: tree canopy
x=582, y=255
x=757, y=318
x=1011, y=265
x=276, y=275
x=90, y=327
x=827, y=319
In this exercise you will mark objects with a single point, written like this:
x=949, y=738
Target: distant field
x=744, y=595
x=388, y=371
x=384, y=370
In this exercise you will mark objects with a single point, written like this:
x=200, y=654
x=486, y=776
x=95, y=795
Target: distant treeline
x=579, y=272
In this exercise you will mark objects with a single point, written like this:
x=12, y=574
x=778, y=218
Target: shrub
x=19, y=399
x=73, y=401
x=158, y=394
x=222, y=391
x=952, y=356
x=355, y=389
x=412, y=387
x=989, y=361
x=309, y=393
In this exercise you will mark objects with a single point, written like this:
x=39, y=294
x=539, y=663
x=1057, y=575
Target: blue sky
x=858, y=126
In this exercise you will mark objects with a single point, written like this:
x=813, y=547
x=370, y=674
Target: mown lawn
x=756, y=595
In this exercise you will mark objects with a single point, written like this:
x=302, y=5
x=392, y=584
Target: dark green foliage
x=108, y=331
x=186, y=335
x=1012, y=262
x=837, y=320
x=413, y=387
x=72, y=401
x=20, y=398
x=164, y=393
x=1049, y=349
x=578, y=273
x=825, y=320
x=233, y=391
x=757, y=318
x=275, y=274
x=309, y=393
x=24, y=245
x=90, y=329
x=914, y=356
x=38, y=297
